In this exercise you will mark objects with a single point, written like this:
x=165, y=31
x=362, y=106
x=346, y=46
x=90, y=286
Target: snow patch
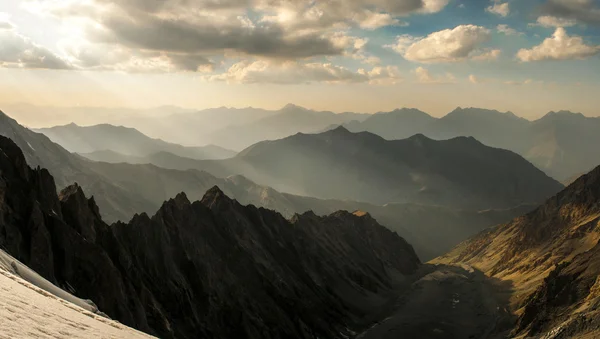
x=32, y=307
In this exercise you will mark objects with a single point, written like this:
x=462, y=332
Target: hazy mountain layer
x=212, y=268
x=126, y=141
x=560, y=143
x=288, y=121
x=551, y=257
x=338, y=164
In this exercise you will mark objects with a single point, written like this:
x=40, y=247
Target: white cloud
x=450, y=45
x=499, y=8
x=477, y=80
x=373, y=20
x=5, y=23
x=17, y=51
x=504, y=29
x=488, y=55
x=560, y=46
x=551, y=21
x=425, y=77
x=293, y=72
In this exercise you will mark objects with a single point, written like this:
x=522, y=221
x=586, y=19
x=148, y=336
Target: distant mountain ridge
x=560, y=143
x=124, y=140
x=339, y=164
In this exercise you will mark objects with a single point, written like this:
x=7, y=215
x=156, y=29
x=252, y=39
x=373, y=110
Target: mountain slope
x=551, y=257
x=338, y=164
x=127, y=141
x=212, y=268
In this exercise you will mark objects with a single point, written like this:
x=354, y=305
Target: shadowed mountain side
x=126, y=141
x=551, y=257
x=338, y=164
x=212, y=268
x=560, y=143
x=116, y=201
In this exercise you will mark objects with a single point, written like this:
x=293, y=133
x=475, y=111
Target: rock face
x=552, y=258
x=211, y=268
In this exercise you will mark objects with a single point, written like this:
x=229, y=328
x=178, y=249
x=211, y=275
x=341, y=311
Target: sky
x=524, y=56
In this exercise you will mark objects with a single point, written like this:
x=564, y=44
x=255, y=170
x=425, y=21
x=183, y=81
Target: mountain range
x=211, y=268
x=98, y=139
x=122, y=190
x=218, y=268
x=560, y=143
x=338, y=164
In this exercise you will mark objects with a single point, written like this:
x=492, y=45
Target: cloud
x=17, y=51
x=293, y=72
x=450, y=45
x=551, y=21
x=488, y=55
x=518, y=82
x=499, y=8
x=504, y=29
x=477, y=80
x=559, y=47
x=185, y=35
x=5, y=23
x=425, y=77
x=585, y=11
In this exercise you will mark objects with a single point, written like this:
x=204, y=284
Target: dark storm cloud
x=584, y=11
x=153, y=33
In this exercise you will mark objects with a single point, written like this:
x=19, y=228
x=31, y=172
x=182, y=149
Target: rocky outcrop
x=211, y=268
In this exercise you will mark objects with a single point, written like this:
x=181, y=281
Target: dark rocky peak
x=37, y=184
x=215, y=199
x=79, y=212
x=12, y=160
x=172, y=207
x=137, y=219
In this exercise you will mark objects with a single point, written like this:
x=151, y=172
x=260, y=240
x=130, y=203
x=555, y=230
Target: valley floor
x=448, y=302
x=27, y=311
